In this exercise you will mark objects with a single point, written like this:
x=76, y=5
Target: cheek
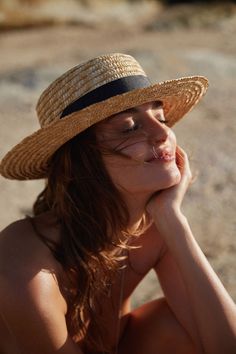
x=137, y=151
x=122, y=170
x=172, y=137
x=133, y=176
x=116, y=165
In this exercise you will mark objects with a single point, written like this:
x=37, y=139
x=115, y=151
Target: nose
x=158, y=131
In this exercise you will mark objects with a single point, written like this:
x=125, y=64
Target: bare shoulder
x=26, y=263
x=16, y=241
x=22, y=251
x=30, y=294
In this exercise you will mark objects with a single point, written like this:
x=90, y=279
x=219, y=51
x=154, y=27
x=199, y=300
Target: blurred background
x=40, y=39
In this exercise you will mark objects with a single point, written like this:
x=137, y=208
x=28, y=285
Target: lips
x=164, y=155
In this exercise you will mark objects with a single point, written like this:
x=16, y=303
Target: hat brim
x=30, y=158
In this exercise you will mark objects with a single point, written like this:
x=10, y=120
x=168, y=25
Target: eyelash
x=136, y=126
x=163, y=121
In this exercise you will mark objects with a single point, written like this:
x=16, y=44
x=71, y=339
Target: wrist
x=169, y=216
x=166, y=209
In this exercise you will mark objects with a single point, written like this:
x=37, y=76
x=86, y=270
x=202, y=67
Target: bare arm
x=35, y=315
x=187, y=278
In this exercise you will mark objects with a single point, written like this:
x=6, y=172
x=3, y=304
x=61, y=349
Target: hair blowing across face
x=91, y=216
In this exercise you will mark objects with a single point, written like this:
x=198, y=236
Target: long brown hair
x=88, y=207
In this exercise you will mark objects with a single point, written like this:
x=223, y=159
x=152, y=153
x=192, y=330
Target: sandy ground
x=30, y=59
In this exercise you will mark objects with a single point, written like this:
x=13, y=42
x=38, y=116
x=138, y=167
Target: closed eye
x=163, y=121
x=133, y=128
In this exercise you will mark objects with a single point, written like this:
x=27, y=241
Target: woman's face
x=139, y=149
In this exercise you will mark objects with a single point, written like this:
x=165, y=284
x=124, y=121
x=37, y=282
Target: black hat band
x=113, y=88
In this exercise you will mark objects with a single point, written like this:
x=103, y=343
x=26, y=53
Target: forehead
x=154, y=105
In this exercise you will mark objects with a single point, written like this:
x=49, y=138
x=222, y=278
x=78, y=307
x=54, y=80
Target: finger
x=180, y=158
x=183, y=163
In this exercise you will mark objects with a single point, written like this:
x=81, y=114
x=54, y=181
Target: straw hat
x=87, y=94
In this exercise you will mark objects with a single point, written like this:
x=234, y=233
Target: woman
x=110, y=212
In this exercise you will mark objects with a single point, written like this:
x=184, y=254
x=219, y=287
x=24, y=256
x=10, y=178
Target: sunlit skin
x=196, y=314
x=142, y=135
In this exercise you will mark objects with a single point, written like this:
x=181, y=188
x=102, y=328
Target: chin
x=153, y=184
x=169, y=178
x=147, y=182
x=174, y=178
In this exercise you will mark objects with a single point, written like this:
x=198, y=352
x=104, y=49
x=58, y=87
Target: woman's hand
x=171, y=198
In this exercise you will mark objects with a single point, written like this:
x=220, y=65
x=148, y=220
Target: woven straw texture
x=30, y=158
x=82, y=79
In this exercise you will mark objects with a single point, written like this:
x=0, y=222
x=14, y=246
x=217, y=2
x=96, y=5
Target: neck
x=136, y=205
